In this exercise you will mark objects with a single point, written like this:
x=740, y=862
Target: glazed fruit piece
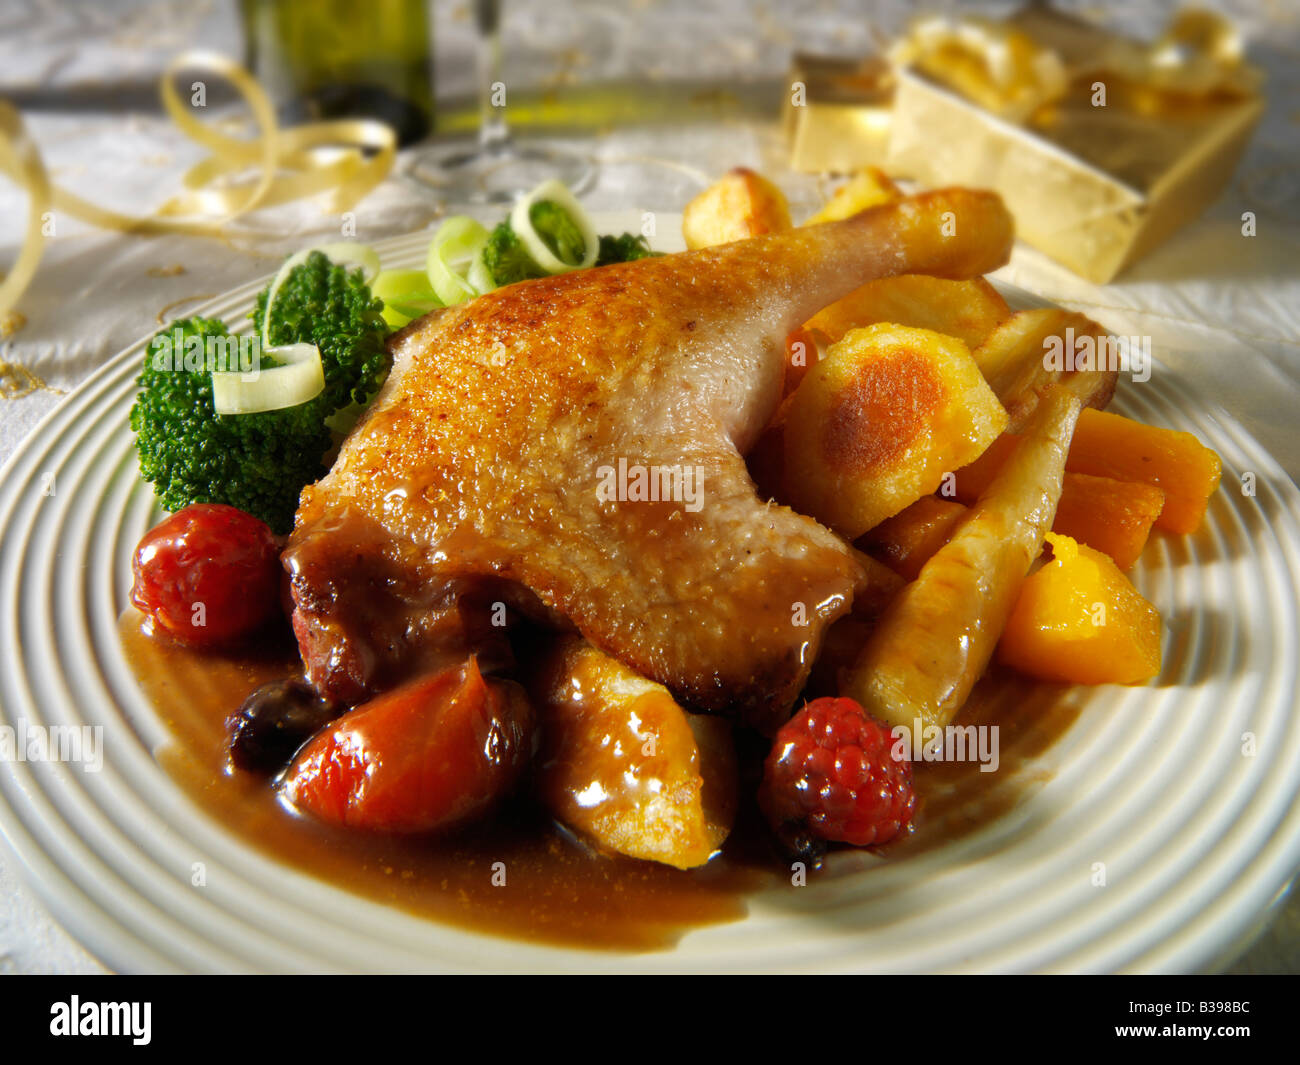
x=626, y=766
x=832, y=776
x=1079, y=621
x=208, y=576
x=434, y=753
x=274, y=722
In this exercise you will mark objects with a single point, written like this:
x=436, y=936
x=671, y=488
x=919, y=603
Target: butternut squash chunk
x=1114, y=517
x=1109, y=445
x=1078, y=620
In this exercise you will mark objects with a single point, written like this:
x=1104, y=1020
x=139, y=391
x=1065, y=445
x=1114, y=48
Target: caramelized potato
x=876, y=424
x=1078, y=620
x=1013, y=360
x=968, y=310
x=801, y=352
x=623, y=764
x=867, y=188
x=739, y=205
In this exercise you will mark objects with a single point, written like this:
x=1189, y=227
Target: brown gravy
x=556, y=889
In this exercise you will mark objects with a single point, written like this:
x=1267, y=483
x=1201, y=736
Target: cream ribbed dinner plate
x=1196, y=837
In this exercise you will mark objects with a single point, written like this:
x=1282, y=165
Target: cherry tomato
x=431, y=754
x=209, y=575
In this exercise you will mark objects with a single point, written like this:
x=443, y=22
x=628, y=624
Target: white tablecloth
x=1222, y=309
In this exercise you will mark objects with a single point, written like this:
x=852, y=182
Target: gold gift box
x=837, y=113
x=1094, y=187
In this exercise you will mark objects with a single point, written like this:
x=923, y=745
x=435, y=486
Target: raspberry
x=831, y=775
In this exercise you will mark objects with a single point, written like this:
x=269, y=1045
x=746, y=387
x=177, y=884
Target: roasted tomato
x=434, y=753
x=209, y=575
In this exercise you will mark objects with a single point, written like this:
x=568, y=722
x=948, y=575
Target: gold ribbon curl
x=1005, y=70
x=343, y=158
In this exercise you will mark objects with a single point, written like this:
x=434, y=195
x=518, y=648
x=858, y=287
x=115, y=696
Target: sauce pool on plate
x=518, y=874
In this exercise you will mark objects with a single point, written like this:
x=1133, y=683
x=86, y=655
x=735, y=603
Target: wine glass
x=498, y=168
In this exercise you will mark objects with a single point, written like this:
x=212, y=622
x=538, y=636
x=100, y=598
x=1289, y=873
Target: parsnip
x=938, y=634
x=1012, y=360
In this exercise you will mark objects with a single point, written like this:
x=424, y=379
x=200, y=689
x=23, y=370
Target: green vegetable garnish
x=259, y=462
x=558, y=231
x=506, y=258
x=624, y=249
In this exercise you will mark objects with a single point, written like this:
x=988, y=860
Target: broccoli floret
x=506, y=258
x=623, y=249
x=558, y=231
x=324, y=304
x=258, y=462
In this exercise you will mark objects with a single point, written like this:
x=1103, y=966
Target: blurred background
x=647, y=101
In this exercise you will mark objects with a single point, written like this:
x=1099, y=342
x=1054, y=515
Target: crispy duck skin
x=476, y=475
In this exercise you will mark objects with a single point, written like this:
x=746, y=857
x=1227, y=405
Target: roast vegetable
x=625, y=248
x=1078, y=620
x=739, y=205
x=554, y=229
x=877, y=423
x=506, y=258
x=457, y=246
x=938, y=634
x=407, y=294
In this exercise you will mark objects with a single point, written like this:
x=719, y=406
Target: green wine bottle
x=322, y=59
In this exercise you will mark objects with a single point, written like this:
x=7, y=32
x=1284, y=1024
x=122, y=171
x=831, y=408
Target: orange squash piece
x=1109, y=515
x=1078, y=620
x=906, y=541
x=1109, y=445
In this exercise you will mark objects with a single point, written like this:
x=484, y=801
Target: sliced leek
x=521, y=221
x=299, y=374
x=455, y=247
x=480, y=277
x=407, y=294
x=298, y=377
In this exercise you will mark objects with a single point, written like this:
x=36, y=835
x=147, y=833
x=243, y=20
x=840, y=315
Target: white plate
x=1196, y=838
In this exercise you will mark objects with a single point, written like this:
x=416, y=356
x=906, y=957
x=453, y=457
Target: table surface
x=705, y=79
